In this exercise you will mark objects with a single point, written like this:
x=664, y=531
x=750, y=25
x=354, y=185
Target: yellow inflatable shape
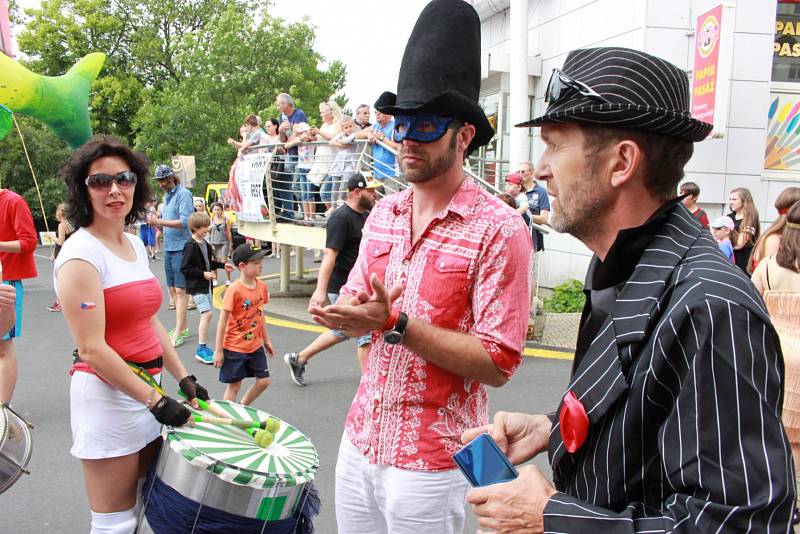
x=61, y=102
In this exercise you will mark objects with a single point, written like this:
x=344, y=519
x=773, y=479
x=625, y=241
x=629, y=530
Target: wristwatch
x=394, y=336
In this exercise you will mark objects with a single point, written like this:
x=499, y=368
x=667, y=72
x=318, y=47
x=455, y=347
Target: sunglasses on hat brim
x=420, y=127
x=102, y=181
x=560, y=84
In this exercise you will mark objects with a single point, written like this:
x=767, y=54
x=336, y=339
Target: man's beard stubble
x=427, y=171
x=582, y=218
x=366, y=203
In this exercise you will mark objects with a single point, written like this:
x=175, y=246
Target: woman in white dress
x=110, y=298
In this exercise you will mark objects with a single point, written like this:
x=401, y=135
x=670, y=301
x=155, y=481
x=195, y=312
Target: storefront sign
x=249, y=175
x=713, y=59
x=706, y=64
x=786, y=48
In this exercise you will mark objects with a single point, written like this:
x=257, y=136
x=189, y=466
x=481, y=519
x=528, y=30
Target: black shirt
x=605, y=279
x=741, y=256
x=343, y=233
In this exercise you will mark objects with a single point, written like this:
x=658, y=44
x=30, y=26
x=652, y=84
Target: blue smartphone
x=483, y=463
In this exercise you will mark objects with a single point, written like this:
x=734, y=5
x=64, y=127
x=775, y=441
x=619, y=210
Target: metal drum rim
x=288, y=479
x=308, y=474
x=27, y=457
x=3, y=424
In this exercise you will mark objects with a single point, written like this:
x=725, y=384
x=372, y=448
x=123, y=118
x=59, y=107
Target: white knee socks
x=114, y=523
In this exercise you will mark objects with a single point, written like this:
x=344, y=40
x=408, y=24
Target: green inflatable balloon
x=61, y=102
x=6, y=121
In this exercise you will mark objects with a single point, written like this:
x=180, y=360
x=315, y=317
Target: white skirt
x=107, y=423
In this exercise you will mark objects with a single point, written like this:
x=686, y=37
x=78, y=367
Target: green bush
x=567, y=297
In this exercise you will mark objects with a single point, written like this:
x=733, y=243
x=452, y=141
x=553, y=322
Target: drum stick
x=199, y=418
x=263, y=438
x=271, y=425
x=207, y=406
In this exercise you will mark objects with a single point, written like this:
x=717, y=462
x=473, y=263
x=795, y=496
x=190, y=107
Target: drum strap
x=150, y=364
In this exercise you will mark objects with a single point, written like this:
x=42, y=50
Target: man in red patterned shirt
x=17, y=243
x=456, y=259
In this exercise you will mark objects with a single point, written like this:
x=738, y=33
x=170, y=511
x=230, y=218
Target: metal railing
x=492, y=170
x=304, y=189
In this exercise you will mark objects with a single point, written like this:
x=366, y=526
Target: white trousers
x=377, y=499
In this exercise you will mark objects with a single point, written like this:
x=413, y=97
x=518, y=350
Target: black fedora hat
x=622, y=88
x=441, y=68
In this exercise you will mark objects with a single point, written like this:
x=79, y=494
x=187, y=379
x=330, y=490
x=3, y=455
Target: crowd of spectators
x=312, y=164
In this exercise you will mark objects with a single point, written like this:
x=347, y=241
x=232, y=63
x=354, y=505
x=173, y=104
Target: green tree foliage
x=47, y=153
x=180, y=74
x=232, y=68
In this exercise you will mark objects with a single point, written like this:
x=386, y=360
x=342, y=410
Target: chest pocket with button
x=377, y=260
x=447, y=288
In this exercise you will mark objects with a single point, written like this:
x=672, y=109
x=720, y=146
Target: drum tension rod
x=10, y=409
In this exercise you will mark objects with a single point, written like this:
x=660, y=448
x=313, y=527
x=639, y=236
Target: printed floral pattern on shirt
x=468, y=272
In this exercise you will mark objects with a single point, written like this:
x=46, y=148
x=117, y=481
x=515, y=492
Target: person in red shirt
x=17, y=243
x=692, y=192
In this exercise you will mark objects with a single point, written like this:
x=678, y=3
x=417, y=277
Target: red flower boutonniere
x=574, y=423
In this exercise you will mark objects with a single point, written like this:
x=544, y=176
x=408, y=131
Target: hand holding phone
x=483, y=463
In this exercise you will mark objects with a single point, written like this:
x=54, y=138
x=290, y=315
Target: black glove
x=189, y=385
x=168, y=411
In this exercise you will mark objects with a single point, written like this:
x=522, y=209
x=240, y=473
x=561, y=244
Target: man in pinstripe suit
x=671, y=418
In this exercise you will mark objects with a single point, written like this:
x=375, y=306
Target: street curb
x=534, y=351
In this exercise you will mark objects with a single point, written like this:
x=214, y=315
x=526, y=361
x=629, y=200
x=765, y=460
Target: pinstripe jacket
x=682, y=385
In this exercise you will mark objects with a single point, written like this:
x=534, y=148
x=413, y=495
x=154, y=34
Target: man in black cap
x=456, y=259
x=671, y=421
x=342, y=239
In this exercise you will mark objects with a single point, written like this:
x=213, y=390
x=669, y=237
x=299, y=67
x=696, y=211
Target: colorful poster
x=5, y=29
x=250, y=173
x=783, y=129
x=706, y=64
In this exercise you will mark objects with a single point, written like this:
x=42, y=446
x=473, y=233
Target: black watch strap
x=402, y=323
x=394, y=336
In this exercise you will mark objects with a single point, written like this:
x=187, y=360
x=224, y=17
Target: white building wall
x=663, y=28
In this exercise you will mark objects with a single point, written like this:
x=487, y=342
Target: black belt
x=155, y=363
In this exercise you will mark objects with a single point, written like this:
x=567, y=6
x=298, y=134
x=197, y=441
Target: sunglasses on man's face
x=560, y=84
x=102, y=181
x=420, y=127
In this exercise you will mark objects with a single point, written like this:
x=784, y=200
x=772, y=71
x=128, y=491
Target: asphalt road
x=52, y=497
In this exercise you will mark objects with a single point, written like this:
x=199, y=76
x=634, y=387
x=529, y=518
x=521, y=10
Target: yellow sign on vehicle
x=215, y=192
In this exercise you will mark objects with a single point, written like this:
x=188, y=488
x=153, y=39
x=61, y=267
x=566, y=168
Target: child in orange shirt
x=242, y=339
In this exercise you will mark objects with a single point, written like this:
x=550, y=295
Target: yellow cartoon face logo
x=708, y=37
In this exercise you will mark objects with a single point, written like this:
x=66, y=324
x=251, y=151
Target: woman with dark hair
x=273, y=138
x=110, y=298
x=767, y=244
x=745, y=222
x=782, y=270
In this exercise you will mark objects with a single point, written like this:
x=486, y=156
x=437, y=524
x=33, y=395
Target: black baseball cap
x=245, y=252
x=357, y=181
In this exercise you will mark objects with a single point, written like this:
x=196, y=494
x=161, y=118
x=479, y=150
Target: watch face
x=392, y=337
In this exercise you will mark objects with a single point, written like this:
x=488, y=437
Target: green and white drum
x=222, y=467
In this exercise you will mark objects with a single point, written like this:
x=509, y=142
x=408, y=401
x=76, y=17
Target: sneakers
x=177, y=341
x=296, y=369
x=227, y=282
x=204, y=354
x=55, y=307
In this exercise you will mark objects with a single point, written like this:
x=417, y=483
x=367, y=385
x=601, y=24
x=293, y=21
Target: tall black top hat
x=441, y=68
x=622, y=88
